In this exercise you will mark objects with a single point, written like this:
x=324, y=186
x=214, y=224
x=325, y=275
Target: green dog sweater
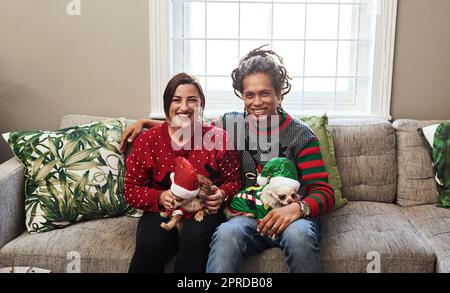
x=248, y=200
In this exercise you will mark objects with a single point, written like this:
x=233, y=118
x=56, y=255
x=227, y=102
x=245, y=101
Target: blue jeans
x=238, y=238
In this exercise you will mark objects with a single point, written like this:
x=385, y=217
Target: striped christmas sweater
x=286, y=137
x=314, y=177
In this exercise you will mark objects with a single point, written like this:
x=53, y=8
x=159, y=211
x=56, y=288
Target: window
x=338, y=52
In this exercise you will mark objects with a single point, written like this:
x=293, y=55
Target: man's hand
x=133, y=131
x=277, y=220
x=215, y=199
x=130, y=134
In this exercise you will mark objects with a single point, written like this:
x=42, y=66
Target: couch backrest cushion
x=366, y=158
x=364, y=149
x=416, y=184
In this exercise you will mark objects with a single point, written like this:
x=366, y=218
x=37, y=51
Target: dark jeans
x=155, y=246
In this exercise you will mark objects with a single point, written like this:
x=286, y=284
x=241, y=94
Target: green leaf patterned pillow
x=72, y=174
x=437, y=138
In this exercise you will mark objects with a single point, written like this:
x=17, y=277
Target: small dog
x=270, y=199
x=279, y=197
x=190, y=206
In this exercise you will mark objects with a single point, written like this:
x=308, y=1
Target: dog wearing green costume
x=277, y=186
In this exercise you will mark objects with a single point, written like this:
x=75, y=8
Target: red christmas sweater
x=152, y=157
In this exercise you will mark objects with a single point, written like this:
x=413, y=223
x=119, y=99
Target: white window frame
x=160, y=51
x=160, y=59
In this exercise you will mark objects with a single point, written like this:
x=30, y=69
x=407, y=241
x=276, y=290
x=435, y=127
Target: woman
x=147, y=182
x=261, y=81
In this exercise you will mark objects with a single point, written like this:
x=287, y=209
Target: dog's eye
x=282, y=196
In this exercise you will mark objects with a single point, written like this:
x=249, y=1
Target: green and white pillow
x=428, y=133
x=437, y=138
x=72, y=174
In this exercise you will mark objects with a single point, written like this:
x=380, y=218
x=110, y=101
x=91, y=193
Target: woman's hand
x=277, y=220
x=214, y=200
x=130, y=134
x=167, y=199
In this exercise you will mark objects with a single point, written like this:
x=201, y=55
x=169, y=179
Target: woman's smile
x=185, y=102
x=184, y=115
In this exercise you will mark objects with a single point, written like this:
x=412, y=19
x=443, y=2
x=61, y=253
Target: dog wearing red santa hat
x=190, y=190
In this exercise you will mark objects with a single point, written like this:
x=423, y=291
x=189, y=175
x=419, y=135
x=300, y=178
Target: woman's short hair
x=174, y=82
x=262, y=61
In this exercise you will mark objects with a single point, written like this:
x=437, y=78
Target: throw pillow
x=437, y=140
x=72, y=174
x=320, y=127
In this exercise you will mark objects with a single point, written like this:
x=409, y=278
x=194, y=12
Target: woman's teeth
x=259, y=112
x=184, y=116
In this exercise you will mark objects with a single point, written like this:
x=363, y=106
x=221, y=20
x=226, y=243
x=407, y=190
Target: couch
x=390, y=224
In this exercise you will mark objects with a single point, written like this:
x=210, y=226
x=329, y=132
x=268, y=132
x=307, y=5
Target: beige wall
x=421, y=85
x=52, y=64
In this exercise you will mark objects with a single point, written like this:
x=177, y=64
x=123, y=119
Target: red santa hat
x=184, y=179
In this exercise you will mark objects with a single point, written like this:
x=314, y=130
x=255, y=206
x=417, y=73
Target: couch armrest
x=12, y=200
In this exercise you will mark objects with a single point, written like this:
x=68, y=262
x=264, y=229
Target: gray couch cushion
x=350, y=233
x=416, y=184
x=365, y=156
x=433, y=224
x=105, y=245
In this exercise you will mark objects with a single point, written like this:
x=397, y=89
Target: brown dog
x=193, y=205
